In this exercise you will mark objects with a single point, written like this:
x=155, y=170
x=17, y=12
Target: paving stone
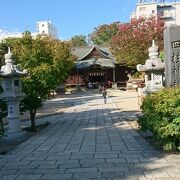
x=46, y=162
x=8, y=177
x=131, y=156
x=8, y=172
x=98, y=165
x=56, y=176
x=135, y=160
x=32, y=158
x=87, y=149
x=48, y=166
x=113, y=175
x=38, y=171
x=28, y=177
x=64, y=161
x=17, y=163
x=87, y=175
x=58, y=157
x=119, y=147
x=82, y=155
x=69, y=166
x=3, y=163
x=82, y=170
x=105, y=155
x=113, y=169
x=133, y=176
x=11, y=158
x=116, y=160
x=18, y=167
x=133, y=152
x=89, y=161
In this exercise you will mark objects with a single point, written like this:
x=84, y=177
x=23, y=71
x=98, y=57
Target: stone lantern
x=13, y=95
x=154, y=71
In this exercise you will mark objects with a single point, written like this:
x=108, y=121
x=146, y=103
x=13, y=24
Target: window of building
x=153, y=11
x=166, y=13
x=142, y=9
x=42, y=25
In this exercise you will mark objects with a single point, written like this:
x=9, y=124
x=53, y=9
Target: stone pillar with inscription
x=172, y=55
x=13, y=95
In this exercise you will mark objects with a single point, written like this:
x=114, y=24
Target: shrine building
x=96, y=65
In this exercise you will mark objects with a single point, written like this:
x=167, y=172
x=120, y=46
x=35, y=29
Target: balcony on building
x=166, y=15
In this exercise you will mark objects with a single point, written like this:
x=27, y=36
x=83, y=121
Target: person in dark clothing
x=104, y=93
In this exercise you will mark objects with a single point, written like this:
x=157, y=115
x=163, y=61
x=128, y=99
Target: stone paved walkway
x=91, y=140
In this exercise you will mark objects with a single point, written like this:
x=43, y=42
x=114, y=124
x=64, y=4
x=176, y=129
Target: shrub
x=161, y=116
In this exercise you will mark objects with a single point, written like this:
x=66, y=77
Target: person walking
x=104, y=93
x=100, y=89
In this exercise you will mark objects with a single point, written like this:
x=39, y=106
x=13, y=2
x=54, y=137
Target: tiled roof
x=106, y=60
x=103, y=63
x=83, y=51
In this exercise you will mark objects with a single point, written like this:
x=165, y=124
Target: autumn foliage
x=130, y=45
x=102, y=34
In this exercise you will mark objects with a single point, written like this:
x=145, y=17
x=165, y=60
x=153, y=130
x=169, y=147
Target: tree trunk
x=33, y=123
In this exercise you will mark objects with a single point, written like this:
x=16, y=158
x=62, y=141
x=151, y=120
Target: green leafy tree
x=130, y=45
x=3, y=105
x=78, y=40
x=48, y=62
x=102, y=35
x=3, y=50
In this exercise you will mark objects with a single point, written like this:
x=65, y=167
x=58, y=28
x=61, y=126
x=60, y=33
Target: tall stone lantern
x=13, y=95
x=154, y=71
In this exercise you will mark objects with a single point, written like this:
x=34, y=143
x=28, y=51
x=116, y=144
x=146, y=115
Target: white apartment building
x=167, y=10
x=43, y=28
x=47, y=28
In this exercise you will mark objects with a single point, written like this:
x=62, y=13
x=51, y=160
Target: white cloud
x=5, y=33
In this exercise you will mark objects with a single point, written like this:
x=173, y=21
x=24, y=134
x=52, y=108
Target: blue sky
x=71, y=17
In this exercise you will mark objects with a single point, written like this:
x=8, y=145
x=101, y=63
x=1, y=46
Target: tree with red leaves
x=130, y=45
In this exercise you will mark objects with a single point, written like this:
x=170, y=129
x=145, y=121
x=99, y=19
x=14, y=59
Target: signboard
x=172, y=55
